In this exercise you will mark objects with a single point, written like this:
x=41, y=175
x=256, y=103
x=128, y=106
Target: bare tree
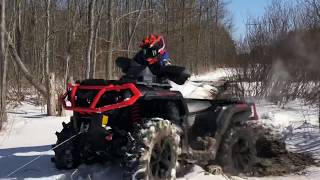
x=70, y=36
x=4, y=63
x=49, y=77
x=270, y=68
x=91, y=16
x=18, y=39
x=110, y=38
x=64, y=36
x=95, y=40
x=135, y=27
x=15, y=56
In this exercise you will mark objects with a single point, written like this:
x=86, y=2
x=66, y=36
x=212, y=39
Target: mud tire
x=237, y=151
x=155, y=151
x=66, y=155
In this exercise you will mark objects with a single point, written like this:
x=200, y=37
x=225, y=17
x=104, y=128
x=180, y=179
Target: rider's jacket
x=155, y=64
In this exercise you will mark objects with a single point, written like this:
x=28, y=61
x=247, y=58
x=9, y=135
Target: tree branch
x=15, y=56
x=135, y=27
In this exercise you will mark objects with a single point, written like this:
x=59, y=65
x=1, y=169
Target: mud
x=274, y=159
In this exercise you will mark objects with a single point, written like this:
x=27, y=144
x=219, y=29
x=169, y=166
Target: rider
x=153, y=54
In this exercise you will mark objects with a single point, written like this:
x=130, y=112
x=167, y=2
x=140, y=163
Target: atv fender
x=227, y=115
x=232, y=114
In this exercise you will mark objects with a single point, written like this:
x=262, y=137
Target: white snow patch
x=198, y=173
x=34, y=153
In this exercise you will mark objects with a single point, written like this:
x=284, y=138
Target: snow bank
x=28, y=125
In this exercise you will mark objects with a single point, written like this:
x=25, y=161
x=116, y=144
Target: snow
x=196, y=89
x=29, y=134
x=294, y=113
x=297, y=122
x=29, y=121
x=215, y=75
x=198, y=173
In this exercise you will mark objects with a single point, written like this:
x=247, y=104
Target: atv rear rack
x=70, y=97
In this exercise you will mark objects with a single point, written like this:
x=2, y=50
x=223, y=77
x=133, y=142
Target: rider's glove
x=166, y=62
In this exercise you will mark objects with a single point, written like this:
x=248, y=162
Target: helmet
x=152, y=45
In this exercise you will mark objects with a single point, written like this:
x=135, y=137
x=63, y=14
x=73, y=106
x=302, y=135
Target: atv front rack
x=95, y=98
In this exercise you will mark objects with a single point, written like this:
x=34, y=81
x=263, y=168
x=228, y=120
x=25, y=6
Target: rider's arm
x=139, y=58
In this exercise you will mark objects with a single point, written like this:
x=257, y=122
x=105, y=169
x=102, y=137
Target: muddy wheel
x=155, y=151
x=66, y=155
x=237, y=152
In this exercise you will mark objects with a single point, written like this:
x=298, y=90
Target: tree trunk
x=134, y=28
x=94, y=53
x=319, y=108
x=51, y=105
x=18, y=42
x=66, y=73
x=166, y=17
x=3, y=70
x=128, y=22
x=69, y=34
x=90, y=37
x=182, y=56
x=95, y=41
x=110, y=38
x=215, y=58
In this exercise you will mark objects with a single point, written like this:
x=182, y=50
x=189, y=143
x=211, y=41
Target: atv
x=151, y=129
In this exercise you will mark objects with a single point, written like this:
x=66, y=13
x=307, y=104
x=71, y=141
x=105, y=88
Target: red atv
x=153, y=130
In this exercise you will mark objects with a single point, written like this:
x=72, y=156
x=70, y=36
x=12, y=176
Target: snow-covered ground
x=29, y=134
x=298, y=123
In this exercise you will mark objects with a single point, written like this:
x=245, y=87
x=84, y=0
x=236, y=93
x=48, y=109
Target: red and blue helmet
x=152, y=45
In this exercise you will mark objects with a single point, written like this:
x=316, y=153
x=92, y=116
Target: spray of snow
x=194, y=88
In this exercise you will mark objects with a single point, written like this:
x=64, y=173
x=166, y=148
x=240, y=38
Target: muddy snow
x=29, y=134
